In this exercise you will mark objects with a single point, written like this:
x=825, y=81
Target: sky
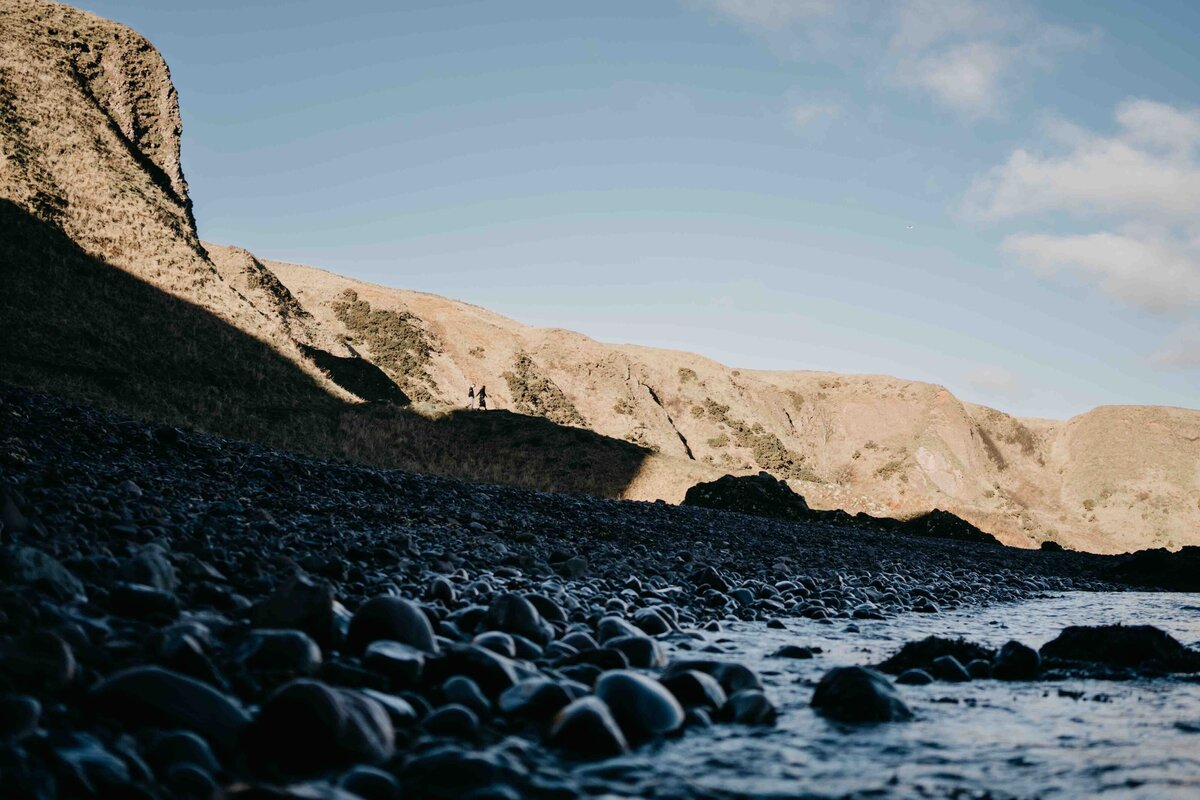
x=999, y=197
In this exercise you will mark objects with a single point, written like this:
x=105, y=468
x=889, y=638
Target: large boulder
x=857, y=694
x=1132, y=646
x=307, y=727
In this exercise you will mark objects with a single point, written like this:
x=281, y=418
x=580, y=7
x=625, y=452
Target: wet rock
x=749, y=707
x=190, y=782
x=512, y=613
x=1139, y=646
x=922, y=653
x=615, y=627
x=651, y=622
x=793, y=651
x=732, y=676
x=19, y=716
x=464, y=691
x=159, y=697
x=587, y=727
x=497, y=642
x=979, y=669
x=151, y=567
x=1016, y=662
x=400, y=663
x=642, y=706
x=39, y=660
x=695, y=690
x=137, y=601
x=914, y=677
x=300, y=603
x=393, y=619
x=400, y=710
x=491, y=671
x=574, y=567
x=857, y=694
x=307, y=727
x=448, y=773
x=30, y=566
x=370, y=783
x=288, y=653
x=173, y=748
x=640, y=651
x=949, y=669
x=85, y=768
x=535, y=698
x=454, y=720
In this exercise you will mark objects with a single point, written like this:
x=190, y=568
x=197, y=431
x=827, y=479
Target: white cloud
x=1148, y=167
x=970, y=56
x=803, y=115
x=1141, y=184
x=1159, y=276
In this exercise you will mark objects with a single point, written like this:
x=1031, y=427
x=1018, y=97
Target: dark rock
x=39, y=660
x=307, y=727
x=181, y=747
x=535, y=698
x=586, y=726
x=1161, y=569
x=574, y=567
x=370, y=783
x=137, y=601
x=19, y=716
x=732, y=676
x=922, y=653
x=155, y=696
x=497, y=642
x=642, y=706
x=453, y=720
x=491, y=671
x=614, y=627
x=857, y=694
x=1016, y=662
x=300, y=603
x=30, y=566
x=749, y=707
x=191, y=782
x=914, y=677
x=979, y=669
x=292, y=654
x=464, y=691
x=793, y=651
x=695, y=689
x=512, y=613
x=1140, y=646
x=949, y=669
x=85, y=768
x=651, y=622
x=640, y=651
x=401, y=664
x=151, y=567
x=391, y=618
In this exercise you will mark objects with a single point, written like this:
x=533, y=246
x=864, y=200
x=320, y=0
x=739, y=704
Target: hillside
x=111, y=297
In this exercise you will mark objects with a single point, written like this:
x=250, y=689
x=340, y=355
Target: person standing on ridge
x=471, y=396
x=481, y=396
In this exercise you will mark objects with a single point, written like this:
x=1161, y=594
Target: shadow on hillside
x=78, y=327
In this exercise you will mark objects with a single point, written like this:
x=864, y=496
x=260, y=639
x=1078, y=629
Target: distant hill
x=111, y=297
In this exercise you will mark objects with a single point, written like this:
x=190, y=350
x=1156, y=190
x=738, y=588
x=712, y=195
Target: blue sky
x=999, y=197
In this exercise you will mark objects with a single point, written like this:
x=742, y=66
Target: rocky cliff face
x=117, y=301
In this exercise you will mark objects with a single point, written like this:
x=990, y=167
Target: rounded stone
x=587, y=727
x=391, y=618
x=642, y=706
x=857, y=694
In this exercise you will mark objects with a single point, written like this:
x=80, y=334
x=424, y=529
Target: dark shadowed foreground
x=182, y=615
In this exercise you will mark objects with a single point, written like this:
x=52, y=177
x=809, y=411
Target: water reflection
x=1078, y=738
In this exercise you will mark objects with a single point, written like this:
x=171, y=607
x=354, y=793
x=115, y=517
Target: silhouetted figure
x=481, y=396
x=471, y=396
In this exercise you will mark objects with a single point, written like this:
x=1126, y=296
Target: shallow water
x=1062, y=739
